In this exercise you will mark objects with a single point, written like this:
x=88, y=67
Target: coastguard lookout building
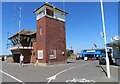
x=47, y=44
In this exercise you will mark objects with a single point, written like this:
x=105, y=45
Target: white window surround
x=57, y=15
x=40, y=54
x=40, y=31
x=53, y=54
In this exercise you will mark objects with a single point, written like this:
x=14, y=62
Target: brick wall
x=33, y=57
x=52, y=37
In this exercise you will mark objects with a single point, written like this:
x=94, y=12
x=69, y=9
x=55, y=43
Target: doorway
x=16, y=58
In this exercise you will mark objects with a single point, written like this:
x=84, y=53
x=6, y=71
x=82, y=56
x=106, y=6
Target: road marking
x=54, y=76
x=80, y=80
x=11, y=76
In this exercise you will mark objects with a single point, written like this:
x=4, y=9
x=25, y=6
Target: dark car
x=102, y=60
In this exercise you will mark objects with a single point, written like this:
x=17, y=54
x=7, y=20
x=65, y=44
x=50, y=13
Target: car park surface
x=77, y=69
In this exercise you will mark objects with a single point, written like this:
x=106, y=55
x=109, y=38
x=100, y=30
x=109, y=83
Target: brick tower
x=50, y=34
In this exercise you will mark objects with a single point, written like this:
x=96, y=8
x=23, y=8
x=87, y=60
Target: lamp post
x=105, y=42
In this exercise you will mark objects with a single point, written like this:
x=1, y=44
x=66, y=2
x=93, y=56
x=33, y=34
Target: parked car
x=78, y=57
x=102, y=60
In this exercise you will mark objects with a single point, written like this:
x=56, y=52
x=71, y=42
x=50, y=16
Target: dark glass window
x=49, y=12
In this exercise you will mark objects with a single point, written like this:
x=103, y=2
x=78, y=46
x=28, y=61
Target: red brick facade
x=52, y=37
x=34, y=56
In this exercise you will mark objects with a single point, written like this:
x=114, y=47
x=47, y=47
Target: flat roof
x=23, y=32
x=93, y=49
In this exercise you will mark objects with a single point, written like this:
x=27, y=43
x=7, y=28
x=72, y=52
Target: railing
x=20, y=47
x=12, y=47
x=9, y=45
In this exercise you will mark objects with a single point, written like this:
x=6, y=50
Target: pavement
x=75, y=71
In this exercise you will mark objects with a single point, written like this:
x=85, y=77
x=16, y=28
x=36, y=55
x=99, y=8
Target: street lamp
x=105, y=42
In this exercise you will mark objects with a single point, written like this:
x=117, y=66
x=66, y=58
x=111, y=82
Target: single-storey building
x=94, y=53
x=116, y=50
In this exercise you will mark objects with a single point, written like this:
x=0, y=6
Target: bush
x=68, y=54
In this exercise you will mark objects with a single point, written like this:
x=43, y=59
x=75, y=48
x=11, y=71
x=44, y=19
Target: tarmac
x=73, y=71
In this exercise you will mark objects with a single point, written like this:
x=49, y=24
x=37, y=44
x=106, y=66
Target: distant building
x=48, y=43
x=116, y=48
x=94, y=53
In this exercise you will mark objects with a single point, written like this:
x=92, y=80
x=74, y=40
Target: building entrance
x=16, y=58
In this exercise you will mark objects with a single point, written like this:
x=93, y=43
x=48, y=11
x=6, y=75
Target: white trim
x=40, y=54
x=21, y=47
x=55, y=18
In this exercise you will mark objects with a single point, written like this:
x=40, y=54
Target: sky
x=83, y=22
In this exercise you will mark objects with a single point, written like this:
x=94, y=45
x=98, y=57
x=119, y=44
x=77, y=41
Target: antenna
x=19, y=26
x=7, y=38
x=64, y=7
x=19, y=23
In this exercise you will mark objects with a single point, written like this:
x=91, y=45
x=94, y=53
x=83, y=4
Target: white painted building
x=115, y=44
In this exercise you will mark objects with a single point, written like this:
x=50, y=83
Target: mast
x=19, y=24
x=7, y=39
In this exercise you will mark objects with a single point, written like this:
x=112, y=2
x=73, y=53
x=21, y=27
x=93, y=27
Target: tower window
x=52, y=54
x=40, y=31
x=49, y=12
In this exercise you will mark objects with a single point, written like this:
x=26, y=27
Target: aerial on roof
x=37, y=11
x=23, y=32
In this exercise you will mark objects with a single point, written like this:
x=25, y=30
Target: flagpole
x=105, y=42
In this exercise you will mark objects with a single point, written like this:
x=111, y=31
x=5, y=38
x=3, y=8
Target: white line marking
x=54, y=76
x=11, y=76
x=80, y=80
